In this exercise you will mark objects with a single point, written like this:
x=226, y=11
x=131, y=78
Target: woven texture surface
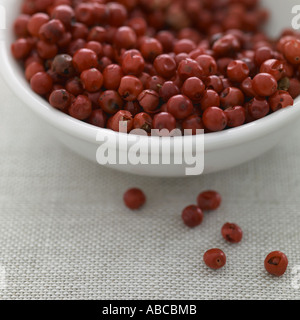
x=65, y=234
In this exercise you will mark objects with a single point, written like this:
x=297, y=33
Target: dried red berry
x=208, y=64
x=214, y=258
x=227, y=45
x=193, y=88
x=291, y=51
x=142, y=121
x=98, y=118
x=214, y=119
x=258, y=107
x=148, y=100
x=192, y=216
x=264, y=84
x=231, y=97
x=180, y=106
x=294, y=88
x=41, y=83
x=134, y=198
x=236, y=116
x=151, y=48
x=20, y=48
x=92, y=79
x=81, y=108
x=209, y=200
x=52, y=31
x=112, y=76
x=122, y=121
x=273, y=67
x=85, y=59
x=110, y=101
x=189, y=68
x=210, y=98
x=35, y=23
x=276, y=263
x=130, y=88
x=62, y=64
x=193, y=123
x=280, y=99
x=125, y=37
x=32, y=69
x=231, y=232
x=60, y=99
x=237, y=70
x=133, y=63
x=165, y=66
x=164, y=120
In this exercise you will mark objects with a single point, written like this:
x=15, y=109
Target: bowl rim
x=10, y=71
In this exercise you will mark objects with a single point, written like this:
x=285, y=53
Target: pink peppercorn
x=209, y=200
x=134, y=198
x=192, y=216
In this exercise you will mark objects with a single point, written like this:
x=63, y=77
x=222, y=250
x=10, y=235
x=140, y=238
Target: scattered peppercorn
x=214, y=258
x=192, y=216
x=276, y=263
x=134, y=198
x=231, y=232
x=209, y=200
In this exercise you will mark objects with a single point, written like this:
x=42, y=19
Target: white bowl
x=223, y=150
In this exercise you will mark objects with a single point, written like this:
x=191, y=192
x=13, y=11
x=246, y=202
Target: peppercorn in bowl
x=84, y=66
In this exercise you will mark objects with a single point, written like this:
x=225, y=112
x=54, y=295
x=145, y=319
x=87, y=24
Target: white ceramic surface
x=223, y=150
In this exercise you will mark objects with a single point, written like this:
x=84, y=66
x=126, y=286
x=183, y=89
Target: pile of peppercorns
x=157, y=64
x=275, y=262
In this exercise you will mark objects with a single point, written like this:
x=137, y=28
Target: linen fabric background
x=65, y=233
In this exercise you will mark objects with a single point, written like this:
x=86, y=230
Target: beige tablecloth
x=65, y=233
